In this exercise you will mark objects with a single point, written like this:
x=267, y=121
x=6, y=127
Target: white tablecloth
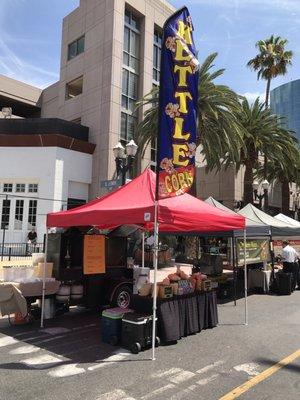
x=259, y=279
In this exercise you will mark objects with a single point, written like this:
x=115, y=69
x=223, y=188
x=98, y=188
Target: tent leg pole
x=155, y=257
x=245, y=281
x=234, y=269
x=143, y=249
x=44, y=281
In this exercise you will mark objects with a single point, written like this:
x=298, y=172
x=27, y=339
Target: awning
x=133, y=203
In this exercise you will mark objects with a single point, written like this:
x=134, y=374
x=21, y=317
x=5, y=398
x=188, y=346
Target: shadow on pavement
x=270, y=363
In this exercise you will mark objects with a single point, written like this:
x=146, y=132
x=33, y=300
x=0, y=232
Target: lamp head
x=265, y=184
x=131, y=148
x=6, y=111
x=119, y=151
x=255, y=185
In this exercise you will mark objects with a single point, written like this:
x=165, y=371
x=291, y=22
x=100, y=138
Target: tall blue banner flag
x=178, y=98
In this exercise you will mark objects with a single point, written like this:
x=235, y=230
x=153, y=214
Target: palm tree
x=284, y=171
x=271, y=61
x=219, y=131
x=264, y=135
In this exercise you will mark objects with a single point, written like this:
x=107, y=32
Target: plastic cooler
x=137, y=332
x=111, y=324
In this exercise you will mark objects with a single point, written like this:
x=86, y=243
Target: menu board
x=94, y=254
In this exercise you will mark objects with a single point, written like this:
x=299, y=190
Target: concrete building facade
x=109, y=59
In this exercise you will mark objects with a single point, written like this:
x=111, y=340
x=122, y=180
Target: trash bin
x=111, y=324
x=284, y=281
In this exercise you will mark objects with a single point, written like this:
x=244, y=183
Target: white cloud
x=11, y=64
x=252, y=96
x=17, y=68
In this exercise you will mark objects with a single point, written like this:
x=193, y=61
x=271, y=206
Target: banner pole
x=44, y=281
x=143, y=249
x=154, y=292
x=245, y=281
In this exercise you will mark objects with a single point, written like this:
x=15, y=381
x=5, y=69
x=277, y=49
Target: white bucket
x=63, y=294
x=76, y=292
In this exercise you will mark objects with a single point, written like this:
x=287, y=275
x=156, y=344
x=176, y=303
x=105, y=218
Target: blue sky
x=30, y=37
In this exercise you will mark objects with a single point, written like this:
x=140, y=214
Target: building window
x=20, y=187
x=5, y=214
x=74, y=88
x=7, y=187
x=19, y=214
x=128, y=124
x=130, y=76
x=75, y=48
x=32, y=213
x=156, y=55
x=33, y=187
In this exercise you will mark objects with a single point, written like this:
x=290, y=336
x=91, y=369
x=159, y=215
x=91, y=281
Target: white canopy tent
x=278, y=227
x=285, y=218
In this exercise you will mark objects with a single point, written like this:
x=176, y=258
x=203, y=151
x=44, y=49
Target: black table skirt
x=181, y=315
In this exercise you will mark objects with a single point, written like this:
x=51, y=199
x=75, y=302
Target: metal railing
x=13, y=251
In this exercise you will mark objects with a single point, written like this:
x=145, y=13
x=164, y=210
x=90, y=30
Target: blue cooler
x=111, y=324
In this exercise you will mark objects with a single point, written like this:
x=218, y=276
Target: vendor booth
x=257, y=249
x=281, y=229
x=133, y=203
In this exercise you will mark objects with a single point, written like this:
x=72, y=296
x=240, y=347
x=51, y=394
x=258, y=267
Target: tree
x=271, y=61
x=264, y=135
x=219, y=131
x=284, y=170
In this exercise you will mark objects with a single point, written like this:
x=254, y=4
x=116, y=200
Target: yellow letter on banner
x=183, y=96
x=184, y=31
x=180, y=48
x=178, y=133
x=183, y=71
x=179, y=154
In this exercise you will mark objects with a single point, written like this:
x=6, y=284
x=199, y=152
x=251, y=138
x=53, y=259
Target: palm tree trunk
x=267, y=105
x=268, y=92
x=248, y=181
x=285, y=197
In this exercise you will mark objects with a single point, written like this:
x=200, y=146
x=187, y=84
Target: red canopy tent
x=134, y=204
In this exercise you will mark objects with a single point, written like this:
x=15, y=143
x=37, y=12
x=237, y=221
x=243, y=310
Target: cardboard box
x=165, y=291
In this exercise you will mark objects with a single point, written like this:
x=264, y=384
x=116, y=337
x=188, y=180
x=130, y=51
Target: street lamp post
x=260, y=196
x=124, y=158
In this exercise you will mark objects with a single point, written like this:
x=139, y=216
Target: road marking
x=118, y=356
x=209, y=367
x=84, y=327
x=158, y=391
x=66, y=370
x=184, y=394
x=42, y=361
x=56, y=330
x=7, y=341
x=162, y=373
x=25, y=349
x=205, y=381
x=251, y=369
x=259, y=378
x=181, y=377
x=116, y=394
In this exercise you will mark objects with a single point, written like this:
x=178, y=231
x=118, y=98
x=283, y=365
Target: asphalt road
x=67, y=360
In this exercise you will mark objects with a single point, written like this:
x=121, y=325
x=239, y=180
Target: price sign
x=94, y=254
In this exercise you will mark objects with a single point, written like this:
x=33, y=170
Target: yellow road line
x=259, y=378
